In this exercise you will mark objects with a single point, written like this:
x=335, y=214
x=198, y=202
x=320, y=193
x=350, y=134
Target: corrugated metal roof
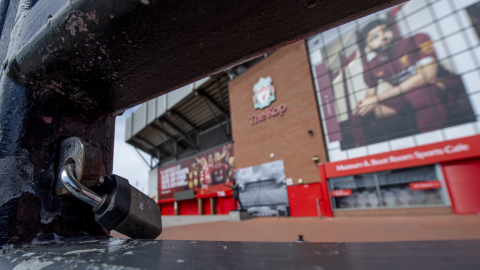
x=179, y=116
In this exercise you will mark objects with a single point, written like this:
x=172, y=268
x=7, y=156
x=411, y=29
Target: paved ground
x=363, y=229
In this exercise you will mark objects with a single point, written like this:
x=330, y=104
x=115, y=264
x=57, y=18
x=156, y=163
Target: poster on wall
x=397, y=74
x=263, y=189
x=206, y=173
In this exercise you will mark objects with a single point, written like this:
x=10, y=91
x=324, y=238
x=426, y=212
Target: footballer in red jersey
x=193, y=176
x=418, y=82
x=219, y=170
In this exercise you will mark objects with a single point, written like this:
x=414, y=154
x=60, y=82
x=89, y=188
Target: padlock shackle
x=67, y=176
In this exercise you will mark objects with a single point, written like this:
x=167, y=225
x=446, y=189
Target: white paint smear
x=84, y=251
x=33, y=264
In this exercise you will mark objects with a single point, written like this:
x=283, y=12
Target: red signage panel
x=342, y=193
x=451, y=150
x=425, y=185
x=206, y=173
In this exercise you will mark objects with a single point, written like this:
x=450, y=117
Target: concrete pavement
x=358, y=229
x=171, y=221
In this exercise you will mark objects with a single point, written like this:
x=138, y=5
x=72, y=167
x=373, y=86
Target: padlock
x=122, y=208
x=128, y=211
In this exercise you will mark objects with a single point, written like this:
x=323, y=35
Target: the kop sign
x=264, y=95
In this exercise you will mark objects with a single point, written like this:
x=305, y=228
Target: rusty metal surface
x=106, y=56
x=87, y=158
x=69, y=66
x=87, y=253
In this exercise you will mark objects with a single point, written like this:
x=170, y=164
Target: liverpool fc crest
x=264, y=93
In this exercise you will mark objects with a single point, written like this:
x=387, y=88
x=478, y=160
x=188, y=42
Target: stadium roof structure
x=171, y=126
x=191, y=119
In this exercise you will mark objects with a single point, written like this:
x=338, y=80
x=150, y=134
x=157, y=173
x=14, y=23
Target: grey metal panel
x=151, y=108
x=184, y=195
x=168, y=161
x=161, y=105
x=153, y=183
x=139, y=119
x=186, y=153
x=212, y=138
x=128, y=128
x=175, y=96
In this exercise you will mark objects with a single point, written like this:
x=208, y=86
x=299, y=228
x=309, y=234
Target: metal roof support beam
x=184, y=130
x=172, y=137
x=178, y=131
x=144, y=160
x=211, y=100
x=162, y=129
x=140, y=146
x=213, y=113
x=164, y=141
x=184, y=119
x=150, y=144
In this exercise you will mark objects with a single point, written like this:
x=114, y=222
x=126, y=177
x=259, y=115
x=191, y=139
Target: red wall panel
x=303, y=200
x=223, y=205
x=167, y=209
x=188, y=207
x=206, y=206
x=463, y=181
x=228, y=205
x=325, y=204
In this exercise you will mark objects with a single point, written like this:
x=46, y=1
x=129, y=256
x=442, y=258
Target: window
x=410, y=187
x=419, y=186
x=357, y=191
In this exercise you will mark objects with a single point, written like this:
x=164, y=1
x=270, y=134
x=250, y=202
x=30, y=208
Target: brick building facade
x=305, y=145
x=295, y=136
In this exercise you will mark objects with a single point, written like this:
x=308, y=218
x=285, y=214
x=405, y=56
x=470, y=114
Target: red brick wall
x=286, y=136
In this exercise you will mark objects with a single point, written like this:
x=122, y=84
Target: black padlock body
x=129, y=211
x=144, y=220
x=114, y=209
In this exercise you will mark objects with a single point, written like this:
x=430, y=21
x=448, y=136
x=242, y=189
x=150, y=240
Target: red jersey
x=205, y=175
x=408, y=53
x=192, y=179
x=219, y=174
x=425, y=99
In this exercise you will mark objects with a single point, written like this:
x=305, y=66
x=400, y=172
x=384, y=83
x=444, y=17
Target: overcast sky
x=126, y=161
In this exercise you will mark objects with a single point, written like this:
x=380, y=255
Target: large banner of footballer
x=206, y=173
x=391, y=77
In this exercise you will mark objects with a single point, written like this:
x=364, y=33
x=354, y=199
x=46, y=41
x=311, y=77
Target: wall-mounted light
x=300, y=180
x=310, y=132
x=315, y=158
x=272, y=155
